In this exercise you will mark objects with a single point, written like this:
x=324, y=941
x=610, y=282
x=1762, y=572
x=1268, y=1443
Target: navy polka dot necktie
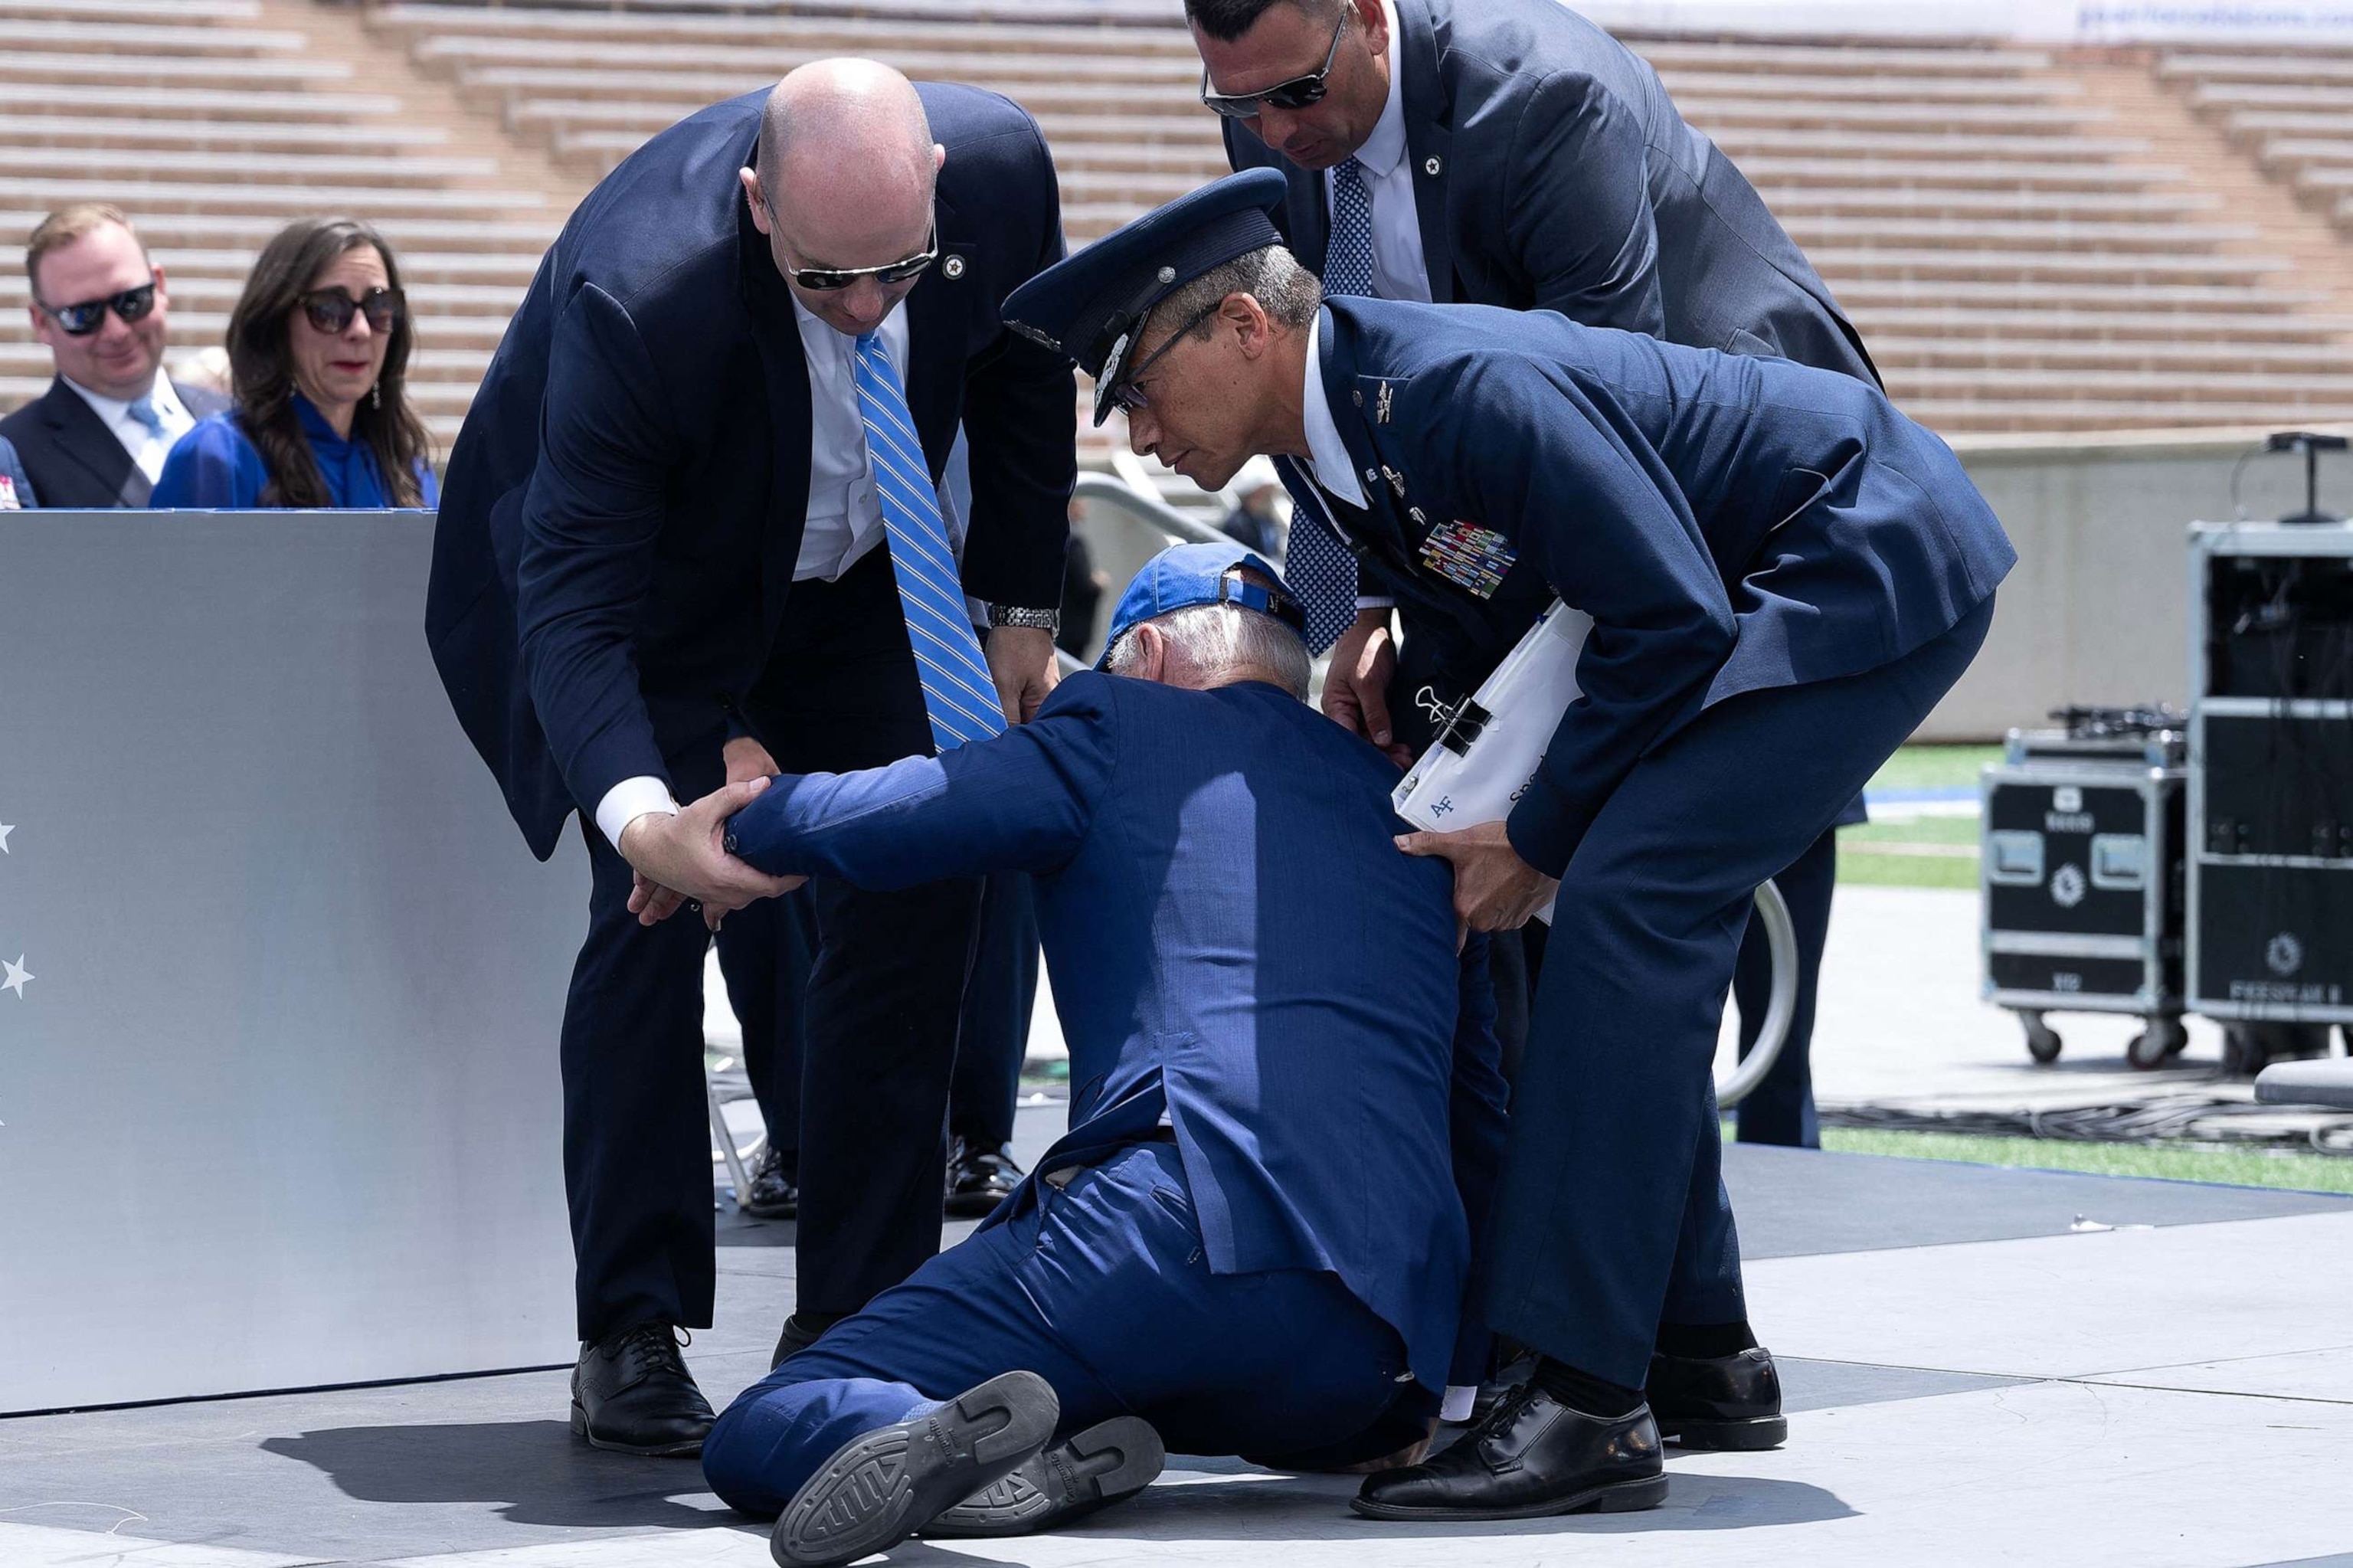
x=1319, y=567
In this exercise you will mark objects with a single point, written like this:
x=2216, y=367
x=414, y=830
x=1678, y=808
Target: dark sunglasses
x=1299, y=92
x=82, y=320
x=1130, y=397
x=331, y=310
x=827, y=280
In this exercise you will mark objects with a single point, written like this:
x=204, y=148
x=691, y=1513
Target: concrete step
x=1895, y=87
x=862, y=30
x=249, y=169
x=1844, y=60
x=773, y=55
x=376, y=203
x=218, y=295
x=1939, y=120
x=2194, y=361
x=140, y=13
x=2018, y=267
x=1954, y=417
x=274, y=137
x=2053, y=170
x=30, y=38
x=2019, y=293
x=320, y=112
x=130, y=69
x=2290, y=390
x=2047, y=235
x=247, y=233
x=2227, y=331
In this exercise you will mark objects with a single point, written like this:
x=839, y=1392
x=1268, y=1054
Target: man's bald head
x=845, y=182
x=847, y=114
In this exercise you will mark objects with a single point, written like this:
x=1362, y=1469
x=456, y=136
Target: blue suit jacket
x=1730, y=522
x=1552, y=172
x=12, y=467
x=1232, y=939
x=623, y=510
x=80, y=462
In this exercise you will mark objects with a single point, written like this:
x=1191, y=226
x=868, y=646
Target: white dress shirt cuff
x=627, y=801
x=1374, y=601
x=1459, y=1398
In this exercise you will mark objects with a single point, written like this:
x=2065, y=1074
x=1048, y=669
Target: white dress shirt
x=1327, y=454
x=845, y=511
x=1399, y=271
x=148, y=448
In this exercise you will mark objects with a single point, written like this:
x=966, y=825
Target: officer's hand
x=684, y=857
x=747, y=759
x=1356, y=683
x=1494, y=889
x=1021, y=663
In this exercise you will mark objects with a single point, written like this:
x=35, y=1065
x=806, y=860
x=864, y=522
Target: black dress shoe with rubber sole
x=1105, y=1463
x=1533, y=1457
x=1727, y=1404
x=880, y=1487
x=631, y=1394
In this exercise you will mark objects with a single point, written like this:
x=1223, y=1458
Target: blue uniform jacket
x=1234, y=940
x=1551, y=171
x=12, y=469
x=622, y=512
x=1730, y=522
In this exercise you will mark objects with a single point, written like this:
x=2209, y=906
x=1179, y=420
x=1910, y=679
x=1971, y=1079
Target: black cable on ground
x=2174, y=1119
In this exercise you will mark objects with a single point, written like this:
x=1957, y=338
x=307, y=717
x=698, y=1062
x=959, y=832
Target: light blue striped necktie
x=957, y=691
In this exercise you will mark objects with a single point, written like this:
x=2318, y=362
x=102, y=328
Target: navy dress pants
x=1611, y=1216
x=1101, y=1288
x=765, y=954
x=839, y=692
x=1780, y=1108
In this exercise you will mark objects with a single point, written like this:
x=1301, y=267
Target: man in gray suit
x=1511, y=153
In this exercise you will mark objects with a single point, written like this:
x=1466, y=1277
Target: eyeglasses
x=828, y=280
x=1130, y=397
x=1299, y=92
x=82, y=320
x=331, y=310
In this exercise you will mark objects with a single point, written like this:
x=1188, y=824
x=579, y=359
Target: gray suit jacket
x=1552, y=172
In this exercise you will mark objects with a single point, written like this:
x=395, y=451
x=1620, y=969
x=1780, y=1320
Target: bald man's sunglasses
x=827, y=280
x=82, y=320
x=1299, y=92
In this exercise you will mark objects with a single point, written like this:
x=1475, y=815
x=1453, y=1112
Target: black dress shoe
x=879, y=1488
x=979, y=1178
x=1104, y=1465
x=1718, y=1402
x=774, y=1188
x=1533, y=1456
x=631, y=1394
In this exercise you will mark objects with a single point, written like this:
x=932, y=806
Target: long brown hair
x=261, y=368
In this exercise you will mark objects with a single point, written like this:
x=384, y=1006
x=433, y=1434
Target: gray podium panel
x=279, y=1099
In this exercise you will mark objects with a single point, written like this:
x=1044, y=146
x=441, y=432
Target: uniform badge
x=1396, y=480
x=1381, y=404
x=1468, y=557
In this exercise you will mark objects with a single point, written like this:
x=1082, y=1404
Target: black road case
x=2082, y=859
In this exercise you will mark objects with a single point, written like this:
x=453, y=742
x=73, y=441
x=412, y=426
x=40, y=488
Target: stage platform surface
x=1983, y=1366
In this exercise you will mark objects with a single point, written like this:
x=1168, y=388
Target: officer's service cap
x=1183, y=576
x=1090, y=306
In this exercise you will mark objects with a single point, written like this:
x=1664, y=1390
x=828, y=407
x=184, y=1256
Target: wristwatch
x=1049, y=622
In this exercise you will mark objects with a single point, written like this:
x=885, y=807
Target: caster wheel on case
x=2043, y=1042
x=2156, y=1045
x=2244, y=1051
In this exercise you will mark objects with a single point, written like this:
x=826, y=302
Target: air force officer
x=1784, y=576
x=690, y=513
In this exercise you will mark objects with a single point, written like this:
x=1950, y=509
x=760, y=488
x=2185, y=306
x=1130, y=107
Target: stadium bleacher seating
x=2020, y=255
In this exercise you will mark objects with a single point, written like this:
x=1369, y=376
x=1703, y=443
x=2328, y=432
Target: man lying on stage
x=1256, y=1235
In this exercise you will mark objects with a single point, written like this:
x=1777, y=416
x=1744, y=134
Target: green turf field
x=2174, y=1162
x=1918, y=852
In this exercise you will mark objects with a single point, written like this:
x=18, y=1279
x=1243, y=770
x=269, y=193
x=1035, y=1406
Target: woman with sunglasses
x=317, y=351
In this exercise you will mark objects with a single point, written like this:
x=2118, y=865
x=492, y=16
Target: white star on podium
x=17, y=975
x=6, y=829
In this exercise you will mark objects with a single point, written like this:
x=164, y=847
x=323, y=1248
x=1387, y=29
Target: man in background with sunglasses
x=98, y=437
x=689, y=533
x=1511, y=153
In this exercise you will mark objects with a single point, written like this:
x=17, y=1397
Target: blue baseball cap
x=1090, y=307
x=1183, y=576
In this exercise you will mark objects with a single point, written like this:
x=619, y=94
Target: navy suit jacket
x=622, y=512
x=1233, y=940
x=1552, y=172
x=73, y=460
x=1731, y=523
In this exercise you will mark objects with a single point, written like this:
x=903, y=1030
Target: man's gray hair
x=1271, y=275
x=1220, y=642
